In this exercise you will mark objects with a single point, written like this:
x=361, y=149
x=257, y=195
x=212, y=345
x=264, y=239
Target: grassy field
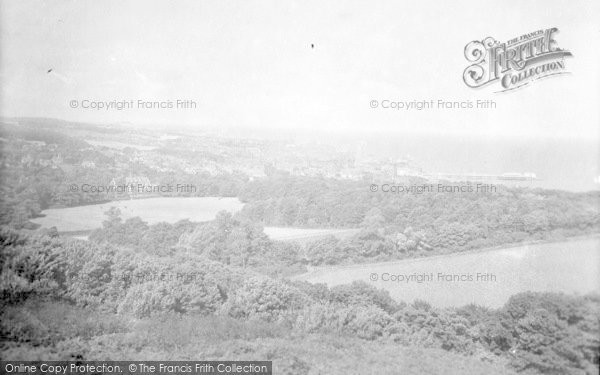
x=152, y=210
x=80, y=220
x=570, y=267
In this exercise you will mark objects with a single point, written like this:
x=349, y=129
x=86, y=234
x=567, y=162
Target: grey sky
x=250, y=63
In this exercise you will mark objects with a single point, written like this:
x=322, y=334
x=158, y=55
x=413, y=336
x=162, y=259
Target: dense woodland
x=442, y=221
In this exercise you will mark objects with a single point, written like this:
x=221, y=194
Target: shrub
x=359, y=293
x=175, y=294
x=264, y=298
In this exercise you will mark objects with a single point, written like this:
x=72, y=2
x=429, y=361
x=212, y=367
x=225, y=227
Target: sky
x=308, y=65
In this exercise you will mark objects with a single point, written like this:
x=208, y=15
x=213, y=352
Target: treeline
x=440, y=221
x=228, y=239
x=239, y=241
x=235, y=240
x=99, y=288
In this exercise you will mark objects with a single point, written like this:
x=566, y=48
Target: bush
x=29, y=265
x=264, y=298
x=175, y=295
x=359, y=293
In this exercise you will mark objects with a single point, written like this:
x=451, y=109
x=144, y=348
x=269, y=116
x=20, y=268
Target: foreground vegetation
x=67, y=299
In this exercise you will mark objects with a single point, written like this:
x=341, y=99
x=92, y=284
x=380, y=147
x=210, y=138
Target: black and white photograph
x=270, y=187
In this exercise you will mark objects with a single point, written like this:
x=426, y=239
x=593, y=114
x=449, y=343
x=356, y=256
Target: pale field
x=569, y=267
x=170, y=210
x=151, y=210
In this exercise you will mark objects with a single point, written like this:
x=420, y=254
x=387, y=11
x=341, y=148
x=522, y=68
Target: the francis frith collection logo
x=514, y=63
